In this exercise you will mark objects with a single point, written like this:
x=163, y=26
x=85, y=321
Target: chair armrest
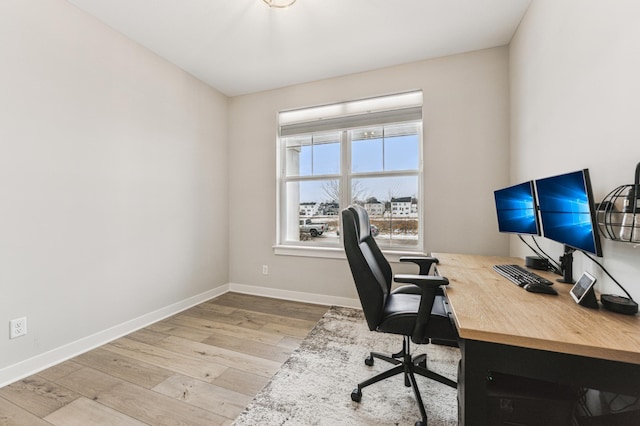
x=422, y=281
x=422, y=261
x=412, y=288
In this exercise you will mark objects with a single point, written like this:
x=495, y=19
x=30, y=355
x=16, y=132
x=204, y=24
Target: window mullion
x=346, y=169
x=383, y=152
x=312, y=153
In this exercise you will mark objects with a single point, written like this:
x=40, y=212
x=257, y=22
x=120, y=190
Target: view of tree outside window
x=377, y=167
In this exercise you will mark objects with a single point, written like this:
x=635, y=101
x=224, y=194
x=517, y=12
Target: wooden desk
x=507, y=329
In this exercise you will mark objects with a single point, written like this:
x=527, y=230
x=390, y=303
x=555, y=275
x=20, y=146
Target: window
x=365, y=152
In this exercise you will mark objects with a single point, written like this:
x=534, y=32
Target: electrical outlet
x=18, y=327
x=265, y=269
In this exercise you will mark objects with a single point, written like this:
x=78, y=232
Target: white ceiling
x=243, y=46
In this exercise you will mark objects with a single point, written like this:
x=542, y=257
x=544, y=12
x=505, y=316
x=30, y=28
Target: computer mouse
x=540, y=288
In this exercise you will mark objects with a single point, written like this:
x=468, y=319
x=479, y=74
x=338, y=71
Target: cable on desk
x=544, y=255
x=557, y=268
x=607, y=272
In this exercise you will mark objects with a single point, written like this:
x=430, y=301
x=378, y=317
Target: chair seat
x=400, y=311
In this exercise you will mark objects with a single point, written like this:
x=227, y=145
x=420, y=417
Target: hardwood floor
x=200, y=367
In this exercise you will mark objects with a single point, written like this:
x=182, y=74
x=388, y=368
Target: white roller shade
x=374, y=111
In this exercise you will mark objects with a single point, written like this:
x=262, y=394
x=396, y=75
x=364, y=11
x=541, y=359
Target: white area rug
x=314, y=386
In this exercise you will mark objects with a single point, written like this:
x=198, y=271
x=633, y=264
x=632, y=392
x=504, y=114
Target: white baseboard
x=298, y=296
x=48, y=359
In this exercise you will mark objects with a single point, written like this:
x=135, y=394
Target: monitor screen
x=567, y=211
x=516, y=209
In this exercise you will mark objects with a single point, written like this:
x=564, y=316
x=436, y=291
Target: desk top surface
x=488, y=307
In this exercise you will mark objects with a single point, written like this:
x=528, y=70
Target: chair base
x=407, y=365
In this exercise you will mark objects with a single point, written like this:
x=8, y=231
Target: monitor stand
x=566, y=261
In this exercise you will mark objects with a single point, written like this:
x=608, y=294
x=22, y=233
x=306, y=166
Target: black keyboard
x=519, y=275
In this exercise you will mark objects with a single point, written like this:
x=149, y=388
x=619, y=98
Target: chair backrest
x=369, y=278
x=364, y=224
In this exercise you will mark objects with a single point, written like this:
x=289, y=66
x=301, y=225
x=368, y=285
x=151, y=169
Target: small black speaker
x=536, y=262
x=619, y=304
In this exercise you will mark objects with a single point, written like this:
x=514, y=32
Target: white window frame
x=304, y=120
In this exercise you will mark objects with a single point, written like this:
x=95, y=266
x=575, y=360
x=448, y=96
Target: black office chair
x=417, y=317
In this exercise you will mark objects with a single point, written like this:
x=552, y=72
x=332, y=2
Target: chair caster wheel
x=423, y=363
x=369, y=360
x=419, y=423
x=356, y=395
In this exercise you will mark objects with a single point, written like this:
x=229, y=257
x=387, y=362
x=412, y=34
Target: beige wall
x=129, y=187
x=466, y=131
x=113, y=180
x=575, y=87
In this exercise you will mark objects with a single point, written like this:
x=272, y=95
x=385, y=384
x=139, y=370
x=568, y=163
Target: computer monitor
x=516, y=209
x=567, y=211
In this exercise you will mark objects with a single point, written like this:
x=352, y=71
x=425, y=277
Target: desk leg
x=472, y=384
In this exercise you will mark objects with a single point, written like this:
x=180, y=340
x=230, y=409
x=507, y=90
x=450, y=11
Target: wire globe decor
x=619, y=212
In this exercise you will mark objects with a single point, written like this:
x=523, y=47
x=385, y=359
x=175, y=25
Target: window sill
x=392, y=256
x=325, y=252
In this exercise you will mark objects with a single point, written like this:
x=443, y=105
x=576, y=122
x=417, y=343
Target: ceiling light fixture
x=279, y=4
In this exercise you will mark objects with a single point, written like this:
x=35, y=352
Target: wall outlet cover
x=17, y=327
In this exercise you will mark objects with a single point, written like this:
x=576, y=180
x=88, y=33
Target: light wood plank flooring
x=200, y=367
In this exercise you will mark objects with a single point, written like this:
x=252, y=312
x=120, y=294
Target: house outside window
x=405, y=206
x=366, y=152
x=374, y=208
x=308, y=209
